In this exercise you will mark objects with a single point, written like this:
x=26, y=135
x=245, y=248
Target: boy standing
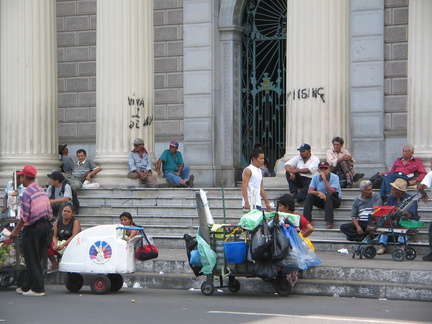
x=252, y=183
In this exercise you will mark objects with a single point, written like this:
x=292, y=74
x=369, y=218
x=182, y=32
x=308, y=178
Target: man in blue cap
x=173, y=167
x=299, y=172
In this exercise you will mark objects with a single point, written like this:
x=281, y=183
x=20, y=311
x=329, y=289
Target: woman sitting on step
x=64, y=231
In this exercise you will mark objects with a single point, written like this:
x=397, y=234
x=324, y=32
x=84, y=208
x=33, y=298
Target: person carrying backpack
x=60, y=193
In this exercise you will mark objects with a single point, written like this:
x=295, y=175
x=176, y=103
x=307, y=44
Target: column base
x=43, y=165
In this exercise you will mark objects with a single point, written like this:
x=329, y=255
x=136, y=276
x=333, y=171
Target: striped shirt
x=35, y=205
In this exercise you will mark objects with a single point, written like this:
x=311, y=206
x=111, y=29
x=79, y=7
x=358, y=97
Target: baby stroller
x=390, y=220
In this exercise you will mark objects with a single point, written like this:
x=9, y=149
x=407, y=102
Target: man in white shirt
x=427, y=182
x=299, y=172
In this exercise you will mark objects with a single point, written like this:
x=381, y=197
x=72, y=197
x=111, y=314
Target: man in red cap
x=34, y=219
x=324, y=192
x=173, y=167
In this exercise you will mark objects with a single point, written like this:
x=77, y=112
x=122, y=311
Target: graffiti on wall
x=136, y=107
x=305, y=93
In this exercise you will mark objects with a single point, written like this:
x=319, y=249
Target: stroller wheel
x=369, y=252
x=398, y=255
x=410, y=253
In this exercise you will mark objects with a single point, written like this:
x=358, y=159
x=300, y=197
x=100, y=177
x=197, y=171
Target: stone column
x=125, y=88
x=419, y=78
x=317, y=74
x=28, y=111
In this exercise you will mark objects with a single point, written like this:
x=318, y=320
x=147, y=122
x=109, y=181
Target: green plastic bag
x=251, y=220
x=293, y=219
x=254, y=218
x=208, y=256
x=411, y=223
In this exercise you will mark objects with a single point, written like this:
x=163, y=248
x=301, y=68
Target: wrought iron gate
x=263, y=78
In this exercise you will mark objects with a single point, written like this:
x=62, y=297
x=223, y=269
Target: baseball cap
x=18, y=173
x=56, y=175
x=303, y=147
x=138, y=141
x=61, y=147
x=29, y=171
x=323, y=165
x=174, y=143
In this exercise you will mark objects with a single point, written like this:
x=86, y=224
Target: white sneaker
x=382, y=249
x=33, y=293
x=19, y=290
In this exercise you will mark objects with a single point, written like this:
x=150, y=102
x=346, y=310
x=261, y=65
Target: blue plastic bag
x=195, y=258
x=301, y=255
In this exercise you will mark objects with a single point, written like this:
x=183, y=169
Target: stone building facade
x=373, y=86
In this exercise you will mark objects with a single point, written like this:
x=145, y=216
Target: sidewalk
x=332, y=258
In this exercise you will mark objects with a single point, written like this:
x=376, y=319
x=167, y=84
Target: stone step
x=338, y=275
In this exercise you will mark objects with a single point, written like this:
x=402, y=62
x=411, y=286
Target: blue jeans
x=172, y=178
x=401, y=239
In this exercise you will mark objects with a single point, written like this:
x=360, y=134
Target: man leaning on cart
x=34, y=219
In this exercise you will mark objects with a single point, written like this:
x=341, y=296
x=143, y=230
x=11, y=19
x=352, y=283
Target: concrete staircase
x=167, y=214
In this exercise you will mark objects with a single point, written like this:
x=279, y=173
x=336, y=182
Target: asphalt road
x=137, y=305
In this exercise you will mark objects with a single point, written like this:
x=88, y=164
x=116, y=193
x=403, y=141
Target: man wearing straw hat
x=397, y=195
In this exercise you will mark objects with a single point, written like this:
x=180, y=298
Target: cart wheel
x=74, y=282
x=410, y=253
x=354, y=253
x=369, y=252
x=100, y=284
x=398, y=255
x=283, y=286
x=360, y=252
x=207, y=288
x=7, y=278
x=234, y=286
x=116, y=281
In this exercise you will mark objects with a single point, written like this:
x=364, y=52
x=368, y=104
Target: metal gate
x=263, y=78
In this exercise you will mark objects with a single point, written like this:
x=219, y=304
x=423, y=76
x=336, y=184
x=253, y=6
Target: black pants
x=329, y=204
x=299, y=182
x=351, y=231
x=34, y=243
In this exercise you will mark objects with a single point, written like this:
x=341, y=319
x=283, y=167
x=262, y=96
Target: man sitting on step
x=427, y=182
x=360, y=211
x=324, y=192
x=397, y=195
x=140, y=165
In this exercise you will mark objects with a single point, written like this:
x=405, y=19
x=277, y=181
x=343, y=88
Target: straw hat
x=399, y=184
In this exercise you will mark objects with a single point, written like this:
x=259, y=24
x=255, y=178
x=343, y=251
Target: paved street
x=186, y=306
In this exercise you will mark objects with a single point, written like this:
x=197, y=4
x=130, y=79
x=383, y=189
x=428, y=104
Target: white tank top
x=254, y=186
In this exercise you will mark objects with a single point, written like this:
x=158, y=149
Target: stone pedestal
x=125, y=89
x=28, y=114
x=317, y=74
x=419, y=78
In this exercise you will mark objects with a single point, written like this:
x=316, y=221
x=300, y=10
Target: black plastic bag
x=281, y=244
x=192, y=244
x=261, y=247
x=264, y=270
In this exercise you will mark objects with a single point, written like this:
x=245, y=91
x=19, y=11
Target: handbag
x=145, y=248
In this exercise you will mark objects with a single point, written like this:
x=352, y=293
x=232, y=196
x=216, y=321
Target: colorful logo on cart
x=100, y=252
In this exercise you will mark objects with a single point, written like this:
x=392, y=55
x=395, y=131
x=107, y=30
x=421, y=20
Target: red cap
x=18, y=173
x=323, y=165
x=29, y=171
